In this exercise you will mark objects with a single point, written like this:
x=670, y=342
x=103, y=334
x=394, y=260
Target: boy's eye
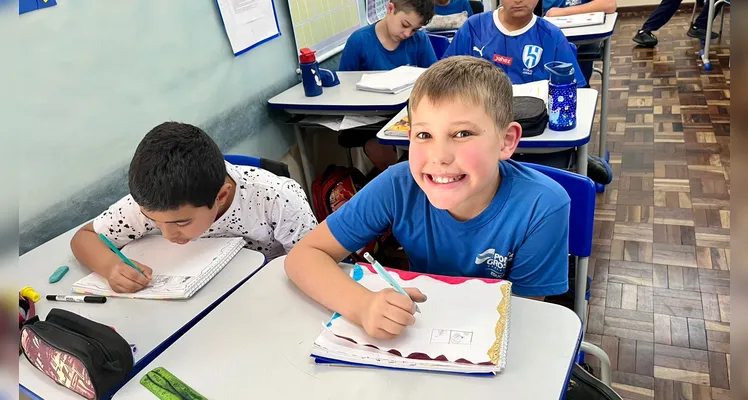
x=180, y=224
x=423, y=135
x=462, y=134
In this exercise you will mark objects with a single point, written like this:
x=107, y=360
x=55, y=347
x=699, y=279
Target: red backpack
x=334, y=188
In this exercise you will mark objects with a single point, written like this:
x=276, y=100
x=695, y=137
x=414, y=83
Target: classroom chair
x=276, y=167
x=440, y=44
x=476, y=6
x=581, y=191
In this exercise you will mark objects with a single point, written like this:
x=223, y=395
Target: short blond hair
x=469, y=79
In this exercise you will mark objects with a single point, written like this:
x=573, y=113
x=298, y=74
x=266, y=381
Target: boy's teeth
x=442, y=179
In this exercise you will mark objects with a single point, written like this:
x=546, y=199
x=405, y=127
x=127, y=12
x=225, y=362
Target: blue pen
x=119, y=253
x=387, y=277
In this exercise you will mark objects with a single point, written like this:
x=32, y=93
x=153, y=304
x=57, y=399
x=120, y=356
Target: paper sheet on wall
x=248, y=23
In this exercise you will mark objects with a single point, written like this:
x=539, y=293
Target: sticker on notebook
x=447, y=336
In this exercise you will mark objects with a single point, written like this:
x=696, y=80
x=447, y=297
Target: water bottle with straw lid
x=562, y=96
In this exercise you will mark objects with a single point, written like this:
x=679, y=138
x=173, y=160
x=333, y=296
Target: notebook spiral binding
x=216, y=266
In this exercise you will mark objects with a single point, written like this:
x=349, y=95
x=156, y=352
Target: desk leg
x=306, y=165
x=708, y=39
x=604, y=100
x=582, y=160
x=580, y=281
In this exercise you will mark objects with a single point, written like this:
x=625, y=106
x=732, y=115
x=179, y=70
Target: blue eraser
x=58, y=274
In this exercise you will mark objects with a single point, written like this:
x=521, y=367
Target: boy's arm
x=349, y=60
x=121, y=224
x=427, y=56
x=461, y=44
x=606, y=6
x=292, y=217
x=541, y=265
x=313, y=266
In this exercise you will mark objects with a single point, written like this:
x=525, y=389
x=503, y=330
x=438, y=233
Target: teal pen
x=119, y=253
x=387, y=277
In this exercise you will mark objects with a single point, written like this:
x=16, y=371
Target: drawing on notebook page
x=451, y=336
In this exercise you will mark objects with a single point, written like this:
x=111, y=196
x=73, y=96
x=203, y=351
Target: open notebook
x=576, y=20
x=463, y=327
x=393, y=81
x=179, y=271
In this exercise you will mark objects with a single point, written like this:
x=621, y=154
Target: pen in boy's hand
x=119, y=253
x=387, y=277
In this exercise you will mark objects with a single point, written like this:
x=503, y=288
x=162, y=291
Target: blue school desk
x=149, y=324
x=340, y=100
x=266, y=350
x=547, y=142
x=595, y=34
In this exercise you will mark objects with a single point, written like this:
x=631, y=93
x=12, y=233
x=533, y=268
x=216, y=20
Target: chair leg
x=601, y=355
x=721, y=21
x=693, y=13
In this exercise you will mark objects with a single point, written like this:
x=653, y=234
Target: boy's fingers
x=390, y=326
x=415, y=295
x=399, y=316
x=127, y=286
x=135, y=276
x=380, y=334
x=400, y=300
x=147, y=271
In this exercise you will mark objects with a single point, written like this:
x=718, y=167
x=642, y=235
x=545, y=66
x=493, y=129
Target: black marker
x=76, y=299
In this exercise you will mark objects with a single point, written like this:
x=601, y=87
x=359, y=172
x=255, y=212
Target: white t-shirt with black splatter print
x=270, y=212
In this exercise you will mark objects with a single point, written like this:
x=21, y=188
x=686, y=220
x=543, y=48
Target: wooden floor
x=660, y=304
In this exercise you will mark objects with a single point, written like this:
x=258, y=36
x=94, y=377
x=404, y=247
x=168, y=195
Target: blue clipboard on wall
x=248, y=23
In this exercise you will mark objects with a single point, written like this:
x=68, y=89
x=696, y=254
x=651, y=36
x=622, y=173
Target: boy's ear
x=512, y=134
x=223, y=194
x=391, y=9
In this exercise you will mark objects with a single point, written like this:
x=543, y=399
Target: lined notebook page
x=177, y=269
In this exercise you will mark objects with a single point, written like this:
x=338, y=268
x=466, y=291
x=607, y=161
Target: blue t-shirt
x=548, y=4
x=523, y=235
x=364, y=52
x=454, y=7
x=522, y=54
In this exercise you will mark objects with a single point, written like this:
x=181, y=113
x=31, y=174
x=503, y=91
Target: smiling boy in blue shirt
x=459, y=206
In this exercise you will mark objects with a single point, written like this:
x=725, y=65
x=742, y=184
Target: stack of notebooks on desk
x=179, y=271
x=573, y=21
x=444, y=337
x=394, y=81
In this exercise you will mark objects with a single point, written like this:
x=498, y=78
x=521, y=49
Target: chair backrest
x=476, y=6
x=276, y=167
x=440, y=44
x=581, y=190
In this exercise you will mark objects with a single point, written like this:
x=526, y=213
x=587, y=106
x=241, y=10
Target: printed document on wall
x=248, y=23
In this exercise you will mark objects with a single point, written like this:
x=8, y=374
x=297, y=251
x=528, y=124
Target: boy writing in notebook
x=515, y=40
x=394, y=41
x=181, y=185
x=459, y=206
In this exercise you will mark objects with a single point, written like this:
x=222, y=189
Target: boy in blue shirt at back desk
x=394, y=41
x=459, y=206
x=449, y=7
x=515, y=40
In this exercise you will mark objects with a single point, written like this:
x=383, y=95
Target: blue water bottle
x=310, y=73
x=562, y=96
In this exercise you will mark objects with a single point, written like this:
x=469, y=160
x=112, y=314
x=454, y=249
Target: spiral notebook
x=179, y=271
x=463, y=327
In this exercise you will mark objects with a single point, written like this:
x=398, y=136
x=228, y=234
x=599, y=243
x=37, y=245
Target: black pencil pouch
x=531, y=114
x=82, y=355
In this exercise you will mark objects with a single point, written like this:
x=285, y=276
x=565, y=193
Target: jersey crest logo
x=531, y=55
x=479, y=51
